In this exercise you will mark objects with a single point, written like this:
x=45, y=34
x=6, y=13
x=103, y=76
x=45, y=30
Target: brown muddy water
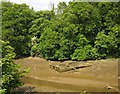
x=97, y=78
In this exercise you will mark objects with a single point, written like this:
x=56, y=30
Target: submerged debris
x=63, y=67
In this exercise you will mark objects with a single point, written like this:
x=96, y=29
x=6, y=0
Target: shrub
x=10, y=73
x=87, y=52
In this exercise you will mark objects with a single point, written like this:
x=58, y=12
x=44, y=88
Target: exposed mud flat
x=97, y=78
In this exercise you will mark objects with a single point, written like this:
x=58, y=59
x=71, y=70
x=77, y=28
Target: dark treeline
x=74, y=31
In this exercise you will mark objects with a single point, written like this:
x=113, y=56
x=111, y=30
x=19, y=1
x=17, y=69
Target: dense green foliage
x=77, y=31
x=80, y=31
x=16, y=20
x=10, y=73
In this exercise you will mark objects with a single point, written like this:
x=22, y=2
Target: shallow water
x=66, y=86
x=91, y=79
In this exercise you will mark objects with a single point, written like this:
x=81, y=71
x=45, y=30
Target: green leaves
x=107, y=44
x=16, y=22
x=10, y=73
x=85, y=53
x=49, y=43
x=7, y=50
x=79, y=31
x=38, y=26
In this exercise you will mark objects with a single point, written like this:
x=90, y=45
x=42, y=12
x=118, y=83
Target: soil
x=102, y=76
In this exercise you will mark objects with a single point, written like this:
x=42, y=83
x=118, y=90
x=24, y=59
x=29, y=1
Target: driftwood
x=62, y=67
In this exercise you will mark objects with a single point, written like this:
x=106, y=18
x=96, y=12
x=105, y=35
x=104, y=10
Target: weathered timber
x=62, y=67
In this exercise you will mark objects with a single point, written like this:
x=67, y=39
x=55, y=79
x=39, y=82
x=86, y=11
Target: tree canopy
x=77, y=31
x=16, y=21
